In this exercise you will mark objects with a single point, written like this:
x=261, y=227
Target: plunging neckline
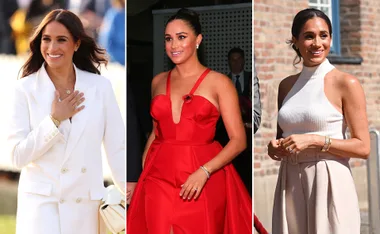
x=187, y=98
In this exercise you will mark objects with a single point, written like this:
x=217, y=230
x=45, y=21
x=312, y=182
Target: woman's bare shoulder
x=289, y=81
x=158, y=83
x=159, y=78
x=345, y=80
x=219, y=78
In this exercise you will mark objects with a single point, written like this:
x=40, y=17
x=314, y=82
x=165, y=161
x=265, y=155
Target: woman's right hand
x=68, y=107
x=275, y=150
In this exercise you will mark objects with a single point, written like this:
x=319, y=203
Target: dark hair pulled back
x=299, y=21
x=89, y=56
x=191, y=18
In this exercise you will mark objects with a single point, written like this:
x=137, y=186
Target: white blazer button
x=83, y=170
x=61, y=200
x=64, y=170
x=78, y=200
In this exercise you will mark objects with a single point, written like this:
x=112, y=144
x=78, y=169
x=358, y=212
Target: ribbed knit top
x=306, y=109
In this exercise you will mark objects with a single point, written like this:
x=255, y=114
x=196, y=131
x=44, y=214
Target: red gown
x=224, y=205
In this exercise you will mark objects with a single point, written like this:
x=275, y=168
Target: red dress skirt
x=179, y=149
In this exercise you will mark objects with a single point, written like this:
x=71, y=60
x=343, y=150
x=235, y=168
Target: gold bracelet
x=326, y=145
x=55, y=121
x=329, y=145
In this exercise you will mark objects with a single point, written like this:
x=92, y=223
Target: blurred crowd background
x=103, y=19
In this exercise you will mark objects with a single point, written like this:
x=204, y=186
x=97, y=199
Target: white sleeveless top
x=306, y=109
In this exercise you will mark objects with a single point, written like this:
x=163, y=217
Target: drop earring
x=197, y=46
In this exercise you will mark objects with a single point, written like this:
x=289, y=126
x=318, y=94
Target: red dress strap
x=199, y=81
x=168, y=83
x=187, y=97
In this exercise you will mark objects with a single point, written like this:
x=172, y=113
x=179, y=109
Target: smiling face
x=57, y=45
x=180, y=41
x=314, y=41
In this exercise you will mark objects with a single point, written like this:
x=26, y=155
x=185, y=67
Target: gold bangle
x=324, y=145
x=55, y=121
x=327, y=143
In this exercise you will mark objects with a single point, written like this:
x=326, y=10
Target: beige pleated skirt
x=315, y=194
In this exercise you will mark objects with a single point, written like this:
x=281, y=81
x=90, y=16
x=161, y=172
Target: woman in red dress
x=188, y=185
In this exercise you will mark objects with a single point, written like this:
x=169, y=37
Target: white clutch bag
x=112, y=210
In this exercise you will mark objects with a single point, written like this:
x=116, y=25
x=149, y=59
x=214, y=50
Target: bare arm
x=354, y=111
x=283, y=89
x=230, y=112
x=274, y=149
x=280, y=99
x=147, y=145
x=157, y=83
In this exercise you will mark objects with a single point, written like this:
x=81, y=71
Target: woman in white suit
x=63, y=111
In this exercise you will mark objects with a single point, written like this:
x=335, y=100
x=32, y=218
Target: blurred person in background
x=112, y=32
x=7, y=43
x=37, y=10
x=23, y=4
x=62, y=112
x=91, y=12
x=27, y=17
x=73, y=5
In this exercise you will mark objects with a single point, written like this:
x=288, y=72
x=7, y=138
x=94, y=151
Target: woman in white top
x=63, y=111
x=315, y=191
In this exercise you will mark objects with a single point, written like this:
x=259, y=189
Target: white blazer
x=61, y=180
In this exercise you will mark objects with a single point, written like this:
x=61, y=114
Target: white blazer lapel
x=43, y=91
x=83, y=84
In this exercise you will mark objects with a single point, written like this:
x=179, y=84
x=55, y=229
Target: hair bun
x=188, y=12
x=190, y=17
